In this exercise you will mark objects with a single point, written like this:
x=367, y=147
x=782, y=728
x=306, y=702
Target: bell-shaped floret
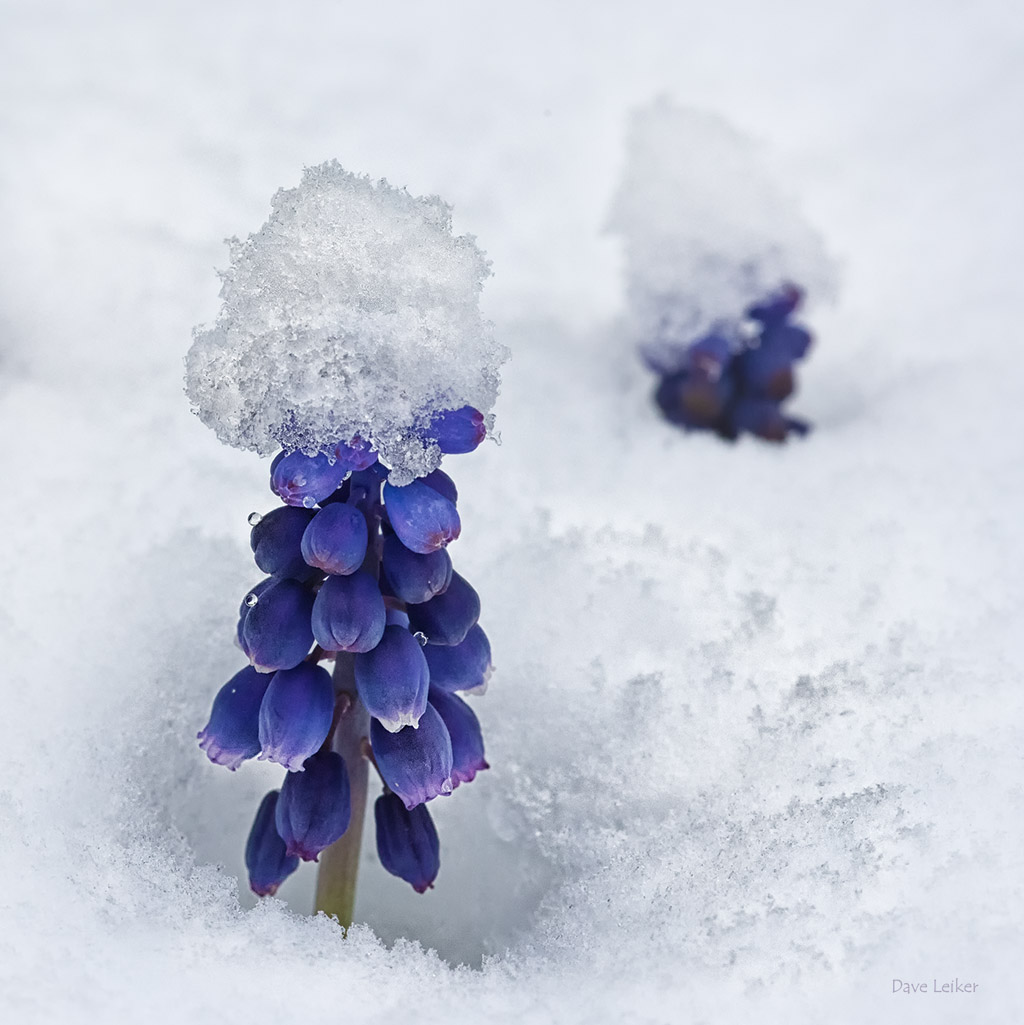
x=457, y=430
x=276, y=633
x=766, y=372
x=298, y=479
x=266, y=860
x=465, y=666
x=315, y=806
x=251, y=597
x=355, y=456
x=423, y=518
x=788, y=338
x=414, y=578
x=349, y=613
x=233, y=733
x=335, y=539
x=448, y=617
x=464, y=731
x=415, y=763
x=296, y=715
x=442, y=484
x=407, y=842
x=276, y=542
x=393, y=679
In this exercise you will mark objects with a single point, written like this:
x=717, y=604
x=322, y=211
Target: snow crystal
x=354, y=311
x=706, y=229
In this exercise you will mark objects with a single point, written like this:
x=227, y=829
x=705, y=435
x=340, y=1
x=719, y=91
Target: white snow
x=755, y=726
x=352, y=313
x=706, y=230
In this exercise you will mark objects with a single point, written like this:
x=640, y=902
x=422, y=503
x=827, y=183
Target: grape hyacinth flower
x=713, y=250
x=356, y=559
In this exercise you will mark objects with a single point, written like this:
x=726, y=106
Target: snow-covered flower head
x=707, y=231
x=353, y=313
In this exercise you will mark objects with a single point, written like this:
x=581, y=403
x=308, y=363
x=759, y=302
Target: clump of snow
x=706, y=229
x=354, y=311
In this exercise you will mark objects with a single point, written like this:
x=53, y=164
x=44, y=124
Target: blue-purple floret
x=266, y=859
x=296, y=715
x=233, y=733
x=407, y=842
x=416, y=763
x=359, y=567
x=732, y=381
x=334, y=540
x=448, y=617
x=315, y=806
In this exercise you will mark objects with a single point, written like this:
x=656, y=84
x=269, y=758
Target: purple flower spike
x=465, y=666
x=464, y=730
x=407, y=843
x=349, y=613
x=266, y=859
x=233, y=733
x=415, y=578
x=415, y=764
x=296, y=715
x=298, y=479
x=276, y=633
x=276, y=540
x=335, y=539
x=356, y=455
x=423, y=519
x=442, y=484
x=315, y=806
x=393, y=680
x=447, y=618
x=457, y=430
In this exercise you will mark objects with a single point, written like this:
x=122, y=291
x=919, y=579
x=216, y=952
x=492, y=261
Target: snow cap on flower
x=407, y=842
x=415, y=763
x=315, y=805
x=707, y=230
x=296, y=714
x=233, y=733
x=351, y=286
x=266, y=859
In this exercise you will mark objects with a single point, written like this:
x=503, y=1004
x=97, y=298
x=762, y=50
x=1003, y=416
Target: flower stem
x=339, y=864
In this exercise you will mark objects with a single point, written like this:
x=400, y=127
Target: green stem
x=339, y=864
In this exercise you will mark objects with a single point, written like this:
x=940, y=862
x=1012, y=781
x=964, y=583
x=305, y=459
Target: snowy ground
x=756, y=726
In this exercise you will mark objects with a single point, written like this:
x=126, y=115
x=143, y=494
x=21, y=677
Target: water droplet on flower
x=251, y=599
x=254, y=518
x=309, y=501
x=421, y=637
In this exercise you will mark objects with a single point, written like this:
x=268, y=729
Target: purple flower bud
x=298, y=479
x=789, y=338
x=356, y=455
x=457, y=430
x=335, y=539
x=693, y=401
x=252, y=596
x=766, y=372
x=448, y=617
x=296, y=715
x=765, y=419
x=414, y=578
x=442, y=484
x=266, y=859
x=393, y=679
x=423, y=519
x=415, y=763
x=314, y=807
x=396, y=617
x=464, y=730
x=276, y=540
x=778, y=306
x=465, y=666
x=407, y=843
x=233, y=733
x=276, y=633
x=349, y=613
